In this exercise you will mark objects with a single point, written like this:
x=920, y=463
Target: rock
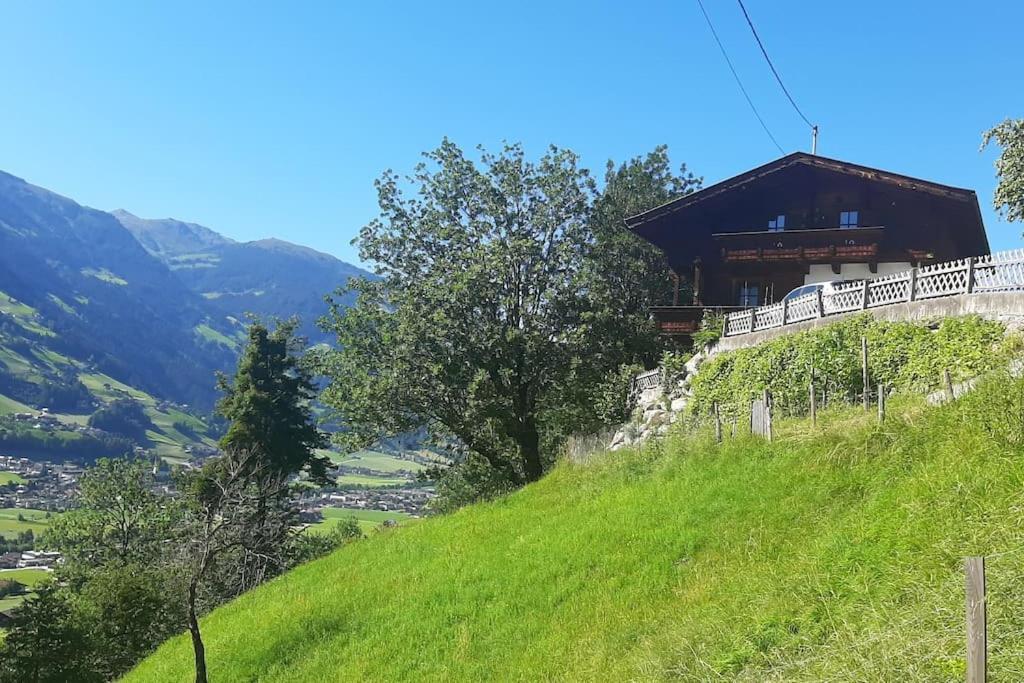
x=678, y=404
x=655, y=417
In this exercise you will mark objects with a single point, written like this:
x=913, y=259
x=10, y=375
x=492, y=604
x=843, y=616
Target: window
x=848, y=219
x=777, y=224
x=749, y=292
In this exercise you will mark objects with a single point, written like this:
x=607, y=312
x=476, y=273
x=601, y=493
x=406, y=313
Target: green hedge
x=903, y=355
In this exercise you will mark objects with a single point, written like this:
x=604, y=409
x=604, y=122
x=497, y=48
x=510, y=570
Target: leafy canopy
x=1009, y=196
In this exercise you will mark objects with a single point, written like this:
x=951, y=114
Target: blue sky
x=261, y=119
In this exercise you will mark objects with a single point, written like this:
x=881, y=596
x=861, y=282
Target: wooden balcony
x=685, y=320
x=825, y=245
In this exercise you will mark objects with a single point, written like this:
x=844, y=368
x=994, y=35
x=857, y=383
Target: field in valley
x=11, y=525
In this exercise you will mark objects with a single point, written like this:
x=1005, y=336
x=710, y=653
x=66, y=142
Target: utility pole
x=814, y=139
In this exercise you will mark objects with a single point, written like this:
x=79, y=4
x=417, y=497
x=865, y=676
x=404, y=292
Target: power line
x=737, y=77
x=772, y=66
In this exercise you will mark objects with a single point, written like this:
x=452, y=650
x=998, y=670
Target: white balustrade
x=1002, y=271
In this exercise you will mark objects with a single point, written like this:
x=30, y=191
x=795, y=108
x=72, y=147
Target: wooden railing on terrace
x=999, y=272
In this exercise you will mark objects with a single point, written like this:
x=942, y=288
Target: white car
x=825, y=287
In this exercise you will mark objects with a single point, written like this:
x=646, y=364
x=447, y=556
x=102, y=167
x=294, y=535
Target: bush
x=710, y=330
x=903, y=355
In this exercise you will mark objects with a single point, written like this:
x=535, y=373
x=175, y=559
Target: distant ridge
x=270, y=277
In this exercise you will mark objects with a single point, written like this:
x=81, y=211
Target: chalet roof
x=801, y=158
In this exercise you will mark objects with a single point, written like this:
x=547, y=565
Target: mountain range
x=156, y=305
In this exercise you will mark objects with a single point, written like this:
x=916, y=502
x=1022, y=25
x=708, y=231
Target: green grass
x=832, y=554
x=105, y=275
x=212, y=335
x=16, y=363
x=368, y=519
x=369, y=481
x=378, y=462
x=18, y=309
x=23, y=314
x=9, y=406
x=27, y=577
x=11, y=478
x=11, y=526
x=95, y=382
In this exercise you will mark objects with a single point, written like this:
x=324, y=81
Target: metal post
x=881, y=403
x=864, y=371
x=753, y=311
x=912, y=294
x=767, y=397
x=821, y=303
x=814, y=139
x=864, y=295
x=969, y=284
x=977, y=626
x=785, y=311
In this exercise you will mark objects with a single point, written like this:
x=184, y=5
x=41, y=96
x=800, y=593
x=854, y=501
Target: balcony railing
x=1002, y=271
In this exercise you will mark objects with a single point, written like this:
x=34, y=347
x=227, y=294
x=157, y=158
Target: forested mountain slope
x=76, y=282
x=833, y=553
x=270, y=277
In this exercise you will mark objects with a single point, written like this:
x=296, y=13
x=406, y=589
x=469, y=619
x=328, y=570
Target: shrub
x=903, y=355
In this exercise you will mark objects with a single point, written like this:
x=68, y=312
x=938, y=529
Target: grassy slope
x=832, y=554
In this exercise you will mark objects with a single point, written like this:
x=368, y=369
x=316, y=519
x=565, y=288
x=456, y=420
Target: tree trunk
x=197, y=638
x=529, y=444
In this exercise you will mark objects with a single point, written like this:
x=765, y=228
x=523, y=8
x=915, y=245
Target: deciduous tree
x=1009, y=197
x=492, y=320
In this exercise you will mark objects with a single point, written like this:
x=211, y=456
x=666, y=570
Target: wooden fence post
x=820, y=301
x=767, y=397
x=814, y=403
x=864, y=371
x=977, y=626
x=911, y=294
x=947, y=383
x=718, y=423
x=864, y=295
x=881, y=403
x=969, y=284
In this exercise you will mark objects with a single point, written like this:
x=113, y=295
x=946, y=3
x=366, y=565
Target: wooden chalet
x=802, y=219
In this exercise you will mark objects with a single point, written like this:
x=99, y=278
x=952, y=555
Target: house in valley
x=802, y=219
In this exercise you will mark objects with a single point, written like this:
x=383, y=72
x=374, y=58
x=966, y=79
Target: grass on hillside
x=11, y=526
x=831, y=554
x=211, y=335
x=8, y=406
x=104, y=275
x=11, y=478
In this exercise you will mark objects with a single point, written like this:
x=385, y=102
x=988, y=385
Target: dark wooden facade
x=803, y=218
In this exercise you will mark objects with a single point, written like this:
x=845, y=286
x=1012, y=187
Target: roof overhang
x=794, y=159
